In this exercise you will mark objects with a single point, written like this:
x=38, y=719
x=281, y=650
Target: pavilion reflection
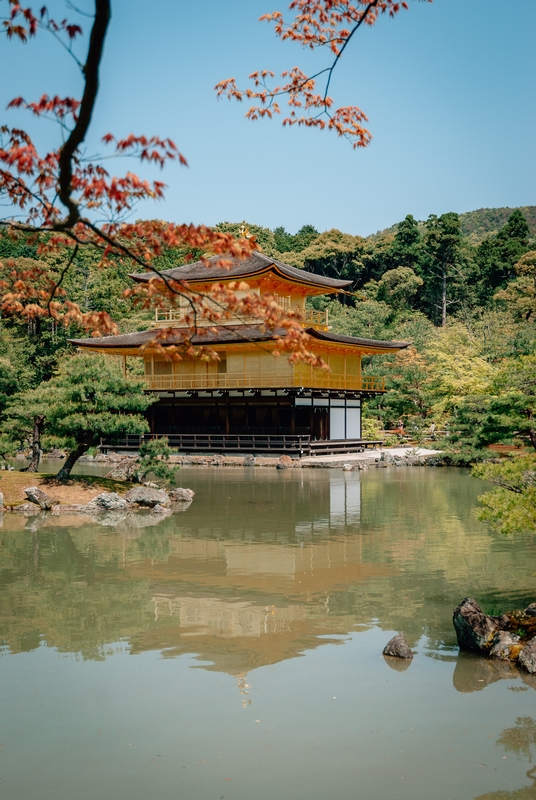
x=260, y=566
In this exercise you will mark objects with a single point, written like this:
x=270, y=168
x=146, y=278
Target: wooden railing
x=243, y=443
x=163, y=318
x=217, y=442
x=307, y=379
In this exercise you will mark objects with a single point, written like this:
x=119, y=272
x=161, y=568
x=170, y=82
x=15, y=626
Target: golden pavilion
x=249, y=400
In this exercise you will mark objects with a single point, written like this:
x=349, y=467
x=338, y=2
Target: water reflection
x=474, y=673
x=260, y=566
x=519, y=739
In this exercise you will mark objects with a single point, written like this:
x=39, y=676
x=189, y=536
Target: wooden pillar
x=124, y=366
x=293, y=416
x=227, y=414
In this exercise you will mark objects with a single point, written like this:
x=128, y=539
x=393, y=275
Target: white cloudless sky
x=449, y=89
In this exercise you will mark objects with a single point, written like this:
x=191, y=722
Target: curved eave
x=131, y=343
x=253, y=267
x=369, y=346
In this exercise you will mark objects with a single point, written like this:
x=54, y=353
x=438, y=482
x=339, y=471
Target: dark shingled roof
x=256, y=263
x=227, y=335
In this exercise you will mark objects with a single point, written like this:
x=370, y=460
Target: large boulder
x=505, y=646
x=106, y=501
x=147, y=496
x=56, y=453
x=527, y=657
x=39, y=497
x=398, y=647
x=475, y=630
x=125, y=470
x=180, y=495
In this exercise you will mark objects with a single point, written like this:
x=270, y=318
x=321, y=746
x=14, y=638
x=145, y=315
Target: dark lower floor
x=319, y=415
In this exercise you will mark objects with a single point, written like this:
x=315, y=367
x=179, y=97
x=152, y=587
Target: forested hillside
x=479, y=225
x=469, y=309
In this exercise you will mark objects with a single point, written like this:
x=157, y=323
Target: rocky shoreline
x=510, y=637
x=105, y=508
x=396, y=457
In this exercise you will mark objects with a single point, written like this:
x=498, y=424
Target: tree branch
x=78, y=133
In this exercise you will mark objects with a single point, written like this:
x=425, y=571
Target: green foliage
x=87, y=399
x=263, y=236
x=479, y=225
x=332, y=253
x=398, y=286
x=154, y=459
x=291, y=243
x=511, y=507
x=496, y=256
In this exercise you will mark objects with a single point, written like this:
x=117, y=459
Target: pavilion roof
x=256, y=263
x=235, y=334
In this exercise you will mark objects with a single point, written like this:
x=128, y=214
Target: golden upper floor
x=263, y=275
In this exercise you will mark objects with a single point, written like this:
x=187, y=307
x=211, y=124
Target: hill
x=478, y=225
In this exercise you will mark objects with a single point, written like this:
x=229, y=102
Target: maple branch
x=60, y=280
x=341, y=51
x=78, y=133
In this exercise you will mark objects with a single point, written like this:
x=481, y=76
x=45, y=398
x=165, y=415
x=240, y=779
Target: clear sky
x=449, y=89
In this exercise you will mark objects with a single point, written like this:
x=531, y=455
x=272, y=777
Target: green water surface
x=232, y=651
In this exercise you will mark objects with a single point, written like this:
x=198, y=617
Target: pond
x=232, y=651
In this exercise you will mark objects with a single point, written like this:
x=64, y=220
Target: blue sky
x=448, y=88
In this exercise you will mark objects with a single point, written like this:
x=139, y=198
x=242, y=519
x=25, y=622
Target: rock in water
x=530, y=611
x=39, y=497
x=398, y=647
x=474, y=629
x=1, y=501
x=126, y=470
x=146, y=496
x=106, y=501
x=179, y=495
x=159, y=509
x=249, y=460
x=505, y=646
x=284, y=462
x=27, y=509
x=527, y=657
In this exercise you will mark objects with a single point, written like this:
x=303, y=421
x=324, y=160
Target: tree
x=154, y=458
x=516, y=385
x=55, y=196
x=511, y=507
x=318, y=24
x=496, y=256
x=87, y=399
x=398, y=286
x=332, y=253
x=24, y=423
x=443, y=248
x=520, y=295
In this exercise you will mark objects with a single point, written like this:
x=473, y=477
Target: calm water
x=233, y=650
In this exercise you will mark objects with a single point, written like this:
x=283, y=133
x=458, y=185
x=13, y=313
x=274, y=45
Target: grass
x=78, y=489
